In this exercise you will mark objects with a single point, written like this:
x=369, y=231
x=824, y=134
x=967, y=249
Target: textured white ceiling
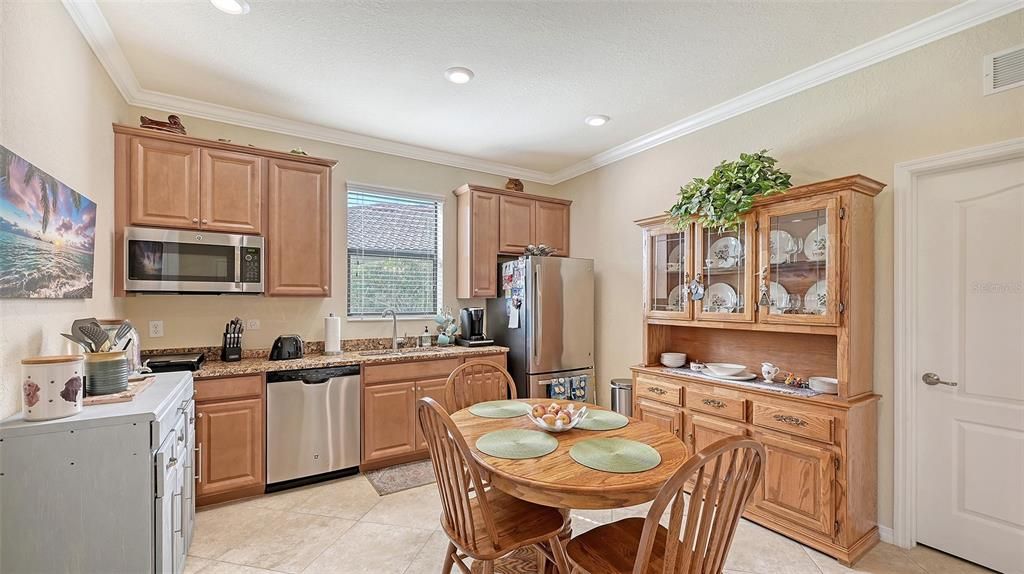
x=375, y=68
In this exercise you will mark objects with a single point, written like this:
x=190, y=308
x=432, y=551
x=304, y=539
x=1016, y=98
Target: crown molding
x=94, y=27
x=946, y=23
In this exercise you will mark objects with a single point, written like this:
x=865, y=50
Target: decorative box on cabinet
x=494, y=222
x=815, y=242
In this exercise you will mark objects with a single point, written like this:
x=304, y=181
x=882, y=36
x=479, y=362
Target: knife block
x=231, y=352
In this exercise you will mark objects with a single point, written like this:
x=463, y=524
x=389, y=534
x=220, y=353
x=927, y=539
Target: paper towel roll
x=332, y=335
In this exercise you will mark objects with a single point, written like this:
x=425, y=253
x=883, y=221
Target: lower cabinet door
x=668, y=418
x=704, y=430
x=435, y=390
x=230, y=438
x=798, y=483
x=389, y=421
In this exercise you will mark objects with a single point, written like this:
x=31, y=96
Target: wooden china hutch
x=793, y=285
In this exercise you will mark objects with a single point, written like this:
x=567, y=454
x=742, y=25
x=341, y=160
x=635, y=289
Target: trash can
x=622, y=396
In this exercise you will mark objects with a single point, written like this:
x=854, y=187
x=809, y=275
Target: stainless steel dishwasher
x=313, y=430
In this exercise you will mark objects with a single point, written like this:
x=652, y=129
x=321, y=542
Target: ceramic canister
x=51, y=387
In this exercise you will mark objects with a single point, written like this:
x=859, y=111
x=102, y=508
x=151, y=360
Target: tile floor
x=344, y=527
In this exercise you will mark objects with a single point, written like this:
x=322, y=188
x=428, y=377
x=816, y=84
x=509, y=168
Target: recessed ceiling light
x=458, y=75
x=233, y=7
x=596, y=120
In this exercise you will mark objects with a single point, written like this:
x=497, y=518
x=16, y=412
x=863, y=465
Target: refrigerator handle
x=537, y=331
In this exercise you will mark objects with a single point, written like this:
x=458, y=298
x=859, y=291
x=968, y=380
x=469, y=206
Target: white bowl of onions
x=556, y=417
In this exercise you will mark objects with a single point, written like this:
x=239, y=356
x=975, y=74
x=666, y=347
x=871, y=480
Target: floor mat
x=392, y=479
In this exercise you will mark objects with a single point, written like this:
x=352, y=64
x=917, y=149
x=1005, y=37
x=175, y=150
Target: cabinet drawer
x=730, y=408
x=229, y=388
x=411, y=371
x=658, y=390
x=817, y=426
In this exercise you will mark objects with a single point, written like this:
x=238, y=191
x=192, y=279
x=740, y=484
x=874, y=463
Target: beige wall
x=922, y=103
x=57, y=105
x=199, y=319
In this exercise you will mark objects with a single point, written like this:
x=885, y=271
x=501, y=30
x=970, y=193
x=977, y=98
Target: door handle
x=199, y=463
x=931, y=379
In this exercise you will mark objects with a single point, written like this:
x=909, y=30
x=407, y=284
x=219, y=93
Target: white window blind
x=393, y=253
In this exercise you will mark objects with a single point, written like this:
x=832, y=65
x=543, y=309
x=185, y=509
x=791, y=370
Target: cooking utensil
x=85, y=345
x=97, y=336
x=122, y=332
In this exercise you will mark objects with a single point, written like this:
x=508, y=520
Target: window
x=394, y=255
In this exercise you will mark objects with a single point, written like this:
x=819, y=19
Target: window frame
x=351, y=186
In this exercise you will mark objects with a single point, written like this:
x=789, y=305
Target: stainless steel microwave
x=169, y=260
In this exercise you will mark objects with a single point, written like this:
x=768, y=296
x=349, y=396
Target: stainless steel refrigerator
x=544, y=314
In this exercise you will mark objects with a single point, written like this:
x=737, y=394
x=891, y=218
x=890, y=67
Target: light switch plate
x=156, y=329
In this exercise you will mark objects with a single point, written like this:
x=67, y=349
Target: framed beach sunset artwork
x=47, y=234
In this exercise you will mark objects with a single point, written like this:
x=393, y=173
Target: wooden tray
x=134, y=388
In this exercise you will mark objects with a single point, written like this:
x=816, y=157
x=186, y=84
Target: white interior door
x=970, y=325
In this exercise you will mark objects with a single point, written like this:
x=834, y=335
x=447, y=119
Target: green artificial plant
x=719, y=201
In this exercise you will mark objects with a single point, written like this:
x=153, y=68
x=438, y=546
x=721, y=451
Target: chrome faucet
x=394, y=328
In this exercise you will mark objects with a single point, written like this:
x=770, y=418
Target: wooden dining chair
x=696, y=540
x=477, y=382
x=488, y=524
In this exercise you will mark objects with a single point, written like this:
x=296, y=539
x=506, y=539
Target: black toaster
x=286, y=347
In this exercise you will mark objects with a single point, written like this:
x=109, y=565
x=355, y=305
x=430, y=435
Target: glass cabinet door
x=668, y=272
x=724, y=272
x=799, y=275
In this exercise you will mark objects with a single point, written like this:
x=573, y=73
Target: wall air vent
x=1004, y=70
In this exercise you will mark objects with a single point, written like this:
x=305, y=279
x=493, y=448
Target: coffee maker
x=471, y=323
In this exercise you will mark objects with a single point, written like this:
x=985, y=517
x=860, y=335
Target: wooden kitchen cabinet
x=551, y=226
x=793, y=285
x=229, y=438
x=231, y=192
x=391, y=433
x=493, y=222
x=181, y=182
x=516, y=224
x=164, y=183
x=389, y=421
x=299, y=229
x=665, y=417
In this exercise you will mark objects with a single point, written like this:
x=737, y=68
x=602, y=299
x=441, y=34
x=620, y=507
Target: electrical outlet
x=156, y=329
x=253, y=324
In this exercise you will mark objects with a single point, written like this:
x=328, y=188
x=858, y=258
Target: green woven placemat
x=602, y=420
x=500, y=409
x=516, y=443
x=616, y=455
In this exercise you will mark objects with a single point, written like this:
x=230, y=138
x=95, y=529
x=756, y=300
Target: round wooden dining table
x=557, y=480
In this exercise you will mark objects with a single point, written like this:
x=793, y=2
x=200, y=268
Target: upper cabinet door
x=799, y=263
x=483, y=248
x=516, y=228
x=551, y=226
x=232, y=192
x=299, y=232
x=724, y=259
x=668, y=271
x=164, y=184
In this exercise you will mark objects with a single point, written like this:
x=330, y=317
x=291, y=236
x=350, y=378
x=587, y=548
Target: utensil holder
x=231, y=350
x=106, y=373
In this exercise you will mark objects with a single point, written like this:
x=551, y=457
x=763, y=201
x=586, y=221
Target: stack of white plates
x=826, y=385
x=673, y=360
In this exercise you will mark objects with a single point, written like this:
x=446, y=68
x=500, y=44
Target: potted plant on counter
x=719, y=201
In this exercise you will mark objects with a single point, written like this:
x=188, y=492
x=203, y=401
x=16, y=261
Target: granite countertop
x=249, y=366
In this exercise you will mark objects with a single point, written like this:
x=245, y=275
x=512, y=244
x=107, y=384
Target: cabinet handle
x=195, y=220
x=181, y=523
x=199, y=463
x=205, y=221
x=791, y=420
x=714, y=403
x=689, y=437
x=656, y=390
x=172, y=462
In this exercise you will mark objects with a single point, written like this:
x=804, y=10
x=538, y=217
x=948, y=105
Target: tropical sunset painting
x=47, y=234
